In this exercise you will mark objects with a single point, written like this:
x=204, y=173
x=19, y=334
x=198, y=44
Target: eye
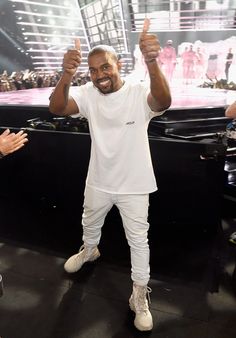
x=105, y=67
x=92, y=71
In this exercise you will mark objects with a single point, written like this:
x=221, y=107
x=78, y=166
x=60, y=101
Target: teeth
x=104, y=83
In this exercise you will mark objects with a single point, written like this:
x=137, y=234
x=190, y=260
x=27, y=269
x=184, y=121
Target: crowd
x=190, y=64
x=27, y=79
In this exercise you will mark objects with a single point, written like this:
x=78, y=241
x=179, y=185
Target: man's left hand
x=149, y=43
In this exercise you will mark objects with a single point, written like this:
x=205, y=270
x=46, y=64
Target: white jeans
x=134, y=213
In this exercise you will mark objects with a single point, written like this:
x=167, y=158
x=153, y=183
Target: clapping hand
x=10, y=142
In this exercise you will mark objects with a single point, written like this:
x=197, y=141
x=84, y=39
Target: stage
x=183, y=97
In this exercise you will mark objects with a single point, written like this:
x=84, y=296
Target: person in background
x=120, y=170
x=229, y=60
x=167, y=59
x=200, y=65
x=188, y=63
x=9, y=143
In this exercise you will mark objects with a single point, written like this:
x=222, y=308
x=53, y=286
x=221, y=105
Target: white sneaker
x=85, y=254
x=139, y=304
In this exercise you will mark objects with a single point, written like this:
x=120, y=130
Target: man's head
x=104, y=68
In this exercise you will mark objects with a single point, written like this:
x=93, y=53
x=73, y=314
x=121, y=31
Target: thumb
x=146, y=25
x=145, y=29
x=77, y=43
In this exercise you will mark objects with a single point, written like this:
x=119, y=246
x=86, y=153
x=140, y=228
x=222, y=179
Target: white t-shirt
x=120, y=160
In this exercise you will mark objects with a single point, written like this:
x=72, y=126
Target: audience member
x=9, y=143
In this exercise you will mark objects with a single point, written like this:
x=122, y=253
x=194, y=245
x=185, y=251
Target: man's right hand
x=72, y=59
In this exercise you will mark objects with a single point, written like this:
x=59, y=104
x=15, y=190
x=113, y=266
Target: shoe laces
x=87, y=251
x=143, y=298
x=81, y=248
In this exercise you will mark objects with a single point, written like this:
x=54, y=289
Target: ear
x=119, y=65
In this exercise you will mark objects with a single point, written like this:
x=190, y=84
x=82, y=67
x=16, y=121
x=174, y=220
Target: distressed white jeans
x=134, y=213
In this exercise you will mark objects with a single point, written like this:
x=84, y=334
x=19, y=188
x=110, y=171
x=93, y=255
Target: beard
x=105, y=85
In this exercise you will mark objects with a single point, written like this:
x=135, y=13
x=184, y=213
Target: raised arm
x=60, y=101
x=159, y=98
x=231, y=111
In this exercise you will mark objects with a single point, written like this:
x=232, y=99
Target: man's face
x=104, y=72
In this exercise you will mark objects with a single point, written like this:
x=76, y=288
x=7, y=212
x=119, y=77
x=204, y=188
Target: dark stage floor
x=41, y=301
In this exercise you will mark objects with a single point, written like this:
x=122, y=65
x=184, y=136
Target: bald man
x=120, y=169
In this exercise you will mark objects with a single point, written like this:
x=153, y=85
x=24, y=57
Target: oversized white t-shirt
x=120, y=160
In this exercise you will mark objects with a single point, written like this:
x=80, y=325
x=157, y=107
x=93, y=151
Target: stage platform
x=183, y=97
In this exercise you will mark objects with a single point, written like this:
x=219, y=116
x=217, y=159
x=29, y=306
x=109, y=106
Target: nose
x=100, y=74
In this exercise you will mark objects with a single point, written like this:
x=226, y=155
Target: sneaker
x=232, y=238
x=138, y=303
x=85, y=254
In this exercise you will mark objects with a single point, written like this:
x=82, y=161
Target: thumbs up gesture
x=72, y=59
x=148, y=43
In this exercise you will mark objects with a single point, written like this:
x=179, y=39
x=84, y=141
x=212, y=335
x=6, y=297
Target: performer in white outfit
x=120, y=169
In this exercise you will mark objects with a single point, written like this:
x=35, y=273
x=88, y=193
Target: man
x=10, y=142
x=120, y=170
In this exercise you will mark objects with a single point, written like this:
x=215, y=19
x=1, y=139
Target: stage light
x=41, y=4
x=52, y=22
x=47, y=25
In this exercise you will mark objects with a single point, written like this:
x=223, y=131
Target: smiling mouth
x=104, y=83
